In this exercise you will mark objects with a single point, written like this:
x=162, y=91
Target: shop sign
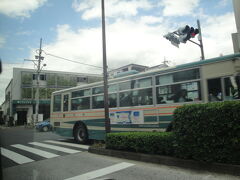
x=30, y=102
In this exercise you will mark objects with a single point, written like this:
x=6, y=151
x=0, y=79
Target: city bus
x=143, y=101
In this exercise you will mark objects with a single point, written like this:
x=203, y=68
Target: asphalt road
x=54, y=159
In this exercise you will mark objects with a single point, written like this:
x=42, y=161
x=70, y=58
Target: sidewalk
x=170, y=161
x=8, y=127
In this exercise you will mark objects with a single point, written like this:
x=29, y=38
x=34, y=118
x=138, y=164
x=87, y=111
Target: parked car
x=44, y=126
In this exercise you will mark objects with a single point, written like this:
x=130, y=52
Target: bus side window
x=214, y=90
x=98, y=102
x=57, y=103
x=65, y=102
x=112, y=100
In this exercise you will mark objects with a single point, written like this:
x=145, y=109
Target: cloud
x=217, y=31
x=179, y=7
x=19, y=8
x=2, y=41
x=23, y=33
x=222, y=3
x=151, y=19
x=114, y=8
x=135, y=41
x=127, y=42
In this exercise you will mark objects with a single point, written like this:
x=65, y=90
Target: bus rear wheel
x=80, y=134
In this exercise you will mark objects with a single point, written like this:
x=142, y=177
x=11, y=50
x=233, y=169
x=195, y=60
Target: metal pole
x=200, y=40
x=38, y=72
x=105, y=75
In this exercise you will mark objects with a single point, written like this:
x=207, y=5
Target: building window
x=139, y=69
x=34, y=77
x=81, y=79
x=42, y=77
x=51, y=79
x=63, y=80
x=26, y=93
x=26, y=78
x=49, y=92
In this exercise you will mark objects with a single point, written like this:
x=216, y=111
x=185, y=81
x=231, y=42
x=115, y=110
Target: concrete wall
x=236, y=36
x=16, y=91
x=236, y=7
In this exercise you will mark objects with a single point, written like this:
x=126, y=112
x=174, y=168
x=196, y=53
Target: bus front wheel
x=80, y=134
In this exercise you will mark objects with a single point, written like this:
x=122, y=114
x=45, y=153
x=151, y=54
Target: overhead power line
x=72, y=60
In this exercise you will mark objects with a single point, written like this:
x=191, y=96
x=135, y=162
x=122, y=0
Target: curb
x=4, y=127
x=170, y=161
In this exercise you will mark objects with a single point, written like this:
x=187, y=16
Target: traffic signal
x=194, y=33
x=186, y=32
x=173, y=39
x=183, y=30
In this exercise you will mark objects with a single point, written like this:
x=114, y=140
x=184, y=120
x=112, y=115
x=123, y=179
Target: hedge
x=208, y=132
x=144, y=142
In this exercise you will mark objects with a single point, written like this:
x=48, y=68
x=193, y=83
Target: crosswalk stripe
x=58, y=148
x=18, y=158
x=102, y=172
x=39, y=152
x=68, y=144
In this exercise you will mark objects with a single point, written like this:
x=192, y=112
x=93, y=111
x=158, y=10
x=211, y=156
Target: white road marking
x=102, y=172
x=69, y=144
x=58, y=148
x=39, y=152
x=18, y=158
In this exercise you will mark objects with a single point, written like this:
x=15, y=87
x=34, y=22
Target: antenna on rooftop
x=165, y=61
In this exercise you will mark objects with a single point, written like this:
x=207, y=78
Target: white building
x=128, y=68
x=132, y=69
x=19, y=104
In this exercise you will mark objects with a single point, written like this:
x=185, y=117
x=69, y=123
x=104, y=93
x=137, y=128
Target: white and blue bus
x=144, y=101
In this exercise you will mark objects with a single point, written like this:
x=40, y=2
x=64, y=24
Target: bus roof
x=156, y=71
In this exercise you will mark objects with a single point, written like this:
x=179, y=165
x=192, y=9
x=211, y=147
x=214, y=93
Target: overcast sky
x=134, y=32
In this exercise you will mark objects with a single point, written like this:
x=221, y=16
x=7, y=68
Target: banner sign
x=127, y=117
x=30, y=102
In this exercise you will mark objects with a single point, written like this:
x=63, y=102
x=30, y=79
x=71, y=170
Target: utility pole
x=39, y=57
x=105, y=75
x=200, y=40
x=37, y=63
